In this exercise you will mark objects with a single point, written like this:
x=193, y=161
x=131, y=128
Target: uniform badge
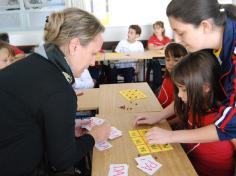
x=68, y=77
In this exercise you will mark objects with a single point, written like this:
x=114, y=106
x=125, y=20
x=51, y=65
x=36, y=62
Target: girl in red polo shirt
x=174, y=52
x=158, y=40
x=197, y=93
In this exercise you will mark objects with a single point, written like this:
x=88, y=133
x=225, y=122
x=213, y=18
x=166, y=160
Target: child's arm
x=162, y=136
x=154, y=117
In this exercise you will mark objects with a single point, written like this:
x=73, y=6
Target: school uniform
x=166, y=93
x=37, y=112
x=154, y=64
x=213, y=158
x=156, y=41
x=85, y=81
x=226, y=123
x=127, y=68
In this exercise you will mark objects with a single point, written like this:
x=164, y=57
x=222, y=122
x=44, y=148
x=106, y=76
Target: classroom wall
x=114, y=33
x=121, y=15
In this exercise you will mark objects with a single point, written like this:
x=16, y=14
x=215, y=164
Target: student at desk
x=38, y=134
x=19, y=54
x=85, y=81
x=157, y=41
x=7, y=54
x=129, y=45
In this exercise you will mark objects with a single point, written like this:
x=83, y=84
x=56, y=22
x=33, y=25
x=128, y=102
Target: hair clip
x=222, y=9
x=46, y=19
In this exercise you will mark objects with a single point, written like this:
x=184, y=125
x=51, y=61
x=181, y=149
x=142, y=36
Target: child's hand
x=158, y=136
x=144, y=119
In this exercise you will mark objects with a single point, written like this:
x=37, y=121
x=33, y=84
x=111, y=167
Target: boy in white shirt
x=85, y=81
x=129, y=45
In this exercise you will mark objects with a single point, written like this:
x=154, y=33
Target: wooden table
x=89, y=99
x=134, y=56
x=100, y=56
x=174, y=162
x=110, y=99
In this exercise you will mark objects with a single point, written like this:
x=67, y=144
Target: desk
x=100, y=56
x=110, y=99
x=146, y=55
x=134, y=56
x=174, y=162
x=89, y=99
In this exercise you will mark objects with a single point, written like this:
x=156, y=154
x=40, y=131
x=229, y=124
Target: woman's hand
x=100, y=132
x=78, y=123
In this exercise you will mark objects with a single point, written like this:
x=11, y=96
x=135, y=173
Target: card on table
x=148, y=164
x=138, y=138
x=93, y=122
x=132, y=94
x=115, y=133
x=103, y=145
x=118, y=170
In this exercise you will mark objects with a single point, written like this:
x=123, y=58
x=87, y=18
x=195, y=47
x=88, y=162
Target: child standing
x=174, y=52
x=197, y=93
x=7, y=54
x=127, y=69
x=157, y=41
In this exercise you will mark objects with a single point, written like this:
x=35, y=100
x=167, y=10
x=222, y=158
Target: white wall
x=122, y=14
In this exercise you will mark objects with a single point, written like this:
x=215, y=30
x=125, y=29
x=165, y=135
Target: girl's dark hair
x=175, y=50
x=195, y=11
x=194, y=71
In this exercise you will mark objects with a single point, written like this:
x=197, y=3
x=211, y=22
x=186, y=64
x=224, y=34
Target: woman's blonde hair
x=65, y=25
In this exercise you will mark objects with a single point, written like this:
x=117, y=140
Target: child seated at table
x=85, y=81
x=7, y=54
x=19, y=54
x=157, y=41
x=129, y=45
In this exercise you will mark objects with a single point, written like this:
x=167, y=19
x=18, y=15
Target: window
x=23, y=15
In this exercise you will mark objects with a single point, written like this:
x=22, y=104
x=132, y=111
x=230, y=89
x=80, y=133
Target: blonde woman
x=38, y=103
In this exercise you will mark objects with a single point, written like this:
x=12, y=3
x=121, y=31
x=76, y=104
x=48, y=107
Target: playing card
x=148, y=164
x=103, y=145
x=118, y=170
x=93, y=122
x=114, y=133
